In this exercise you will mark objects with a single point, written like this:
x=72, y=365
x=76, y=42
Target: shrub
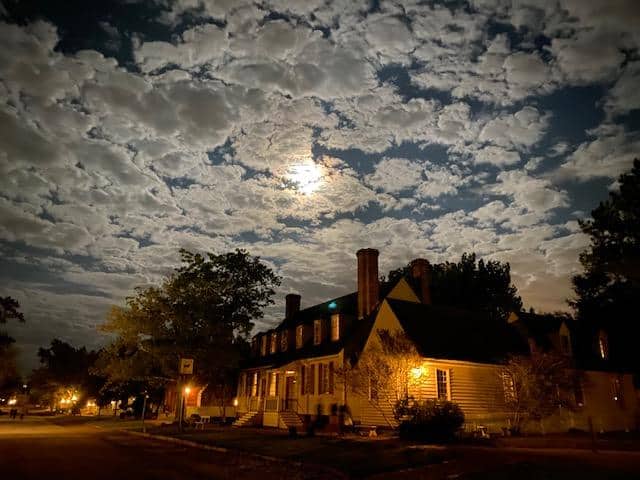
x=430, y=420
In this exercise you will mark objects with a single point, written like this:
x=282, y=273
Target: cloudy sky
x=302, y=131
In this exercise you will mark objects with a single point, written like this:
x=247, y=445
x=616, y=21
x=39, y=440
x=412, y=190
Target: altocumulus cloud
x=483, y=126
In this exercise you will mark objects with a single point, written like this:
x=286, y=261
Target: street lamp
x=144, y=408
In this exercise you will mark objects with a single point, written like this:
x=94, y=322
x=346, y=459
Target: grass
x=103, y=421
x=352, y=455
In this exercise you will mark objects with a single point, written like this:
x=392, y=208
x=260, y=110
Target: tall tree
x=204, y=310
x=9, y=376
x=606, y=292
x=472, y=284
x=64, y=368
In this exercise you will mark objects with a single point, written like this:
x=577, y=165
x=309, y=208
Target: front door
x=290, y=396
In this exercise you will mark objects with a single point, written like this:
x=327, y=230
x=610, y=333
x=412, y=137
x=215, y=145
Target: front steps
x=249, y=418
x=290, y=420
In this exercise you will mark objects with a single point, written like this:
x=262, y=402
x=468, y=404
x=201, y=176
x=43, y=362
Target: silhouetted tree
x=9, y=376
x=204, y=310
x=607, y=291
x=476, y=285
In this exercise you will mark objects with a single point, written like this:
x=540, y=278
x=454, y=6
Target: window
x=317, y=332
x=335, y=328
x=325, y=378
x=299, y=337
x=284, y=340
x=373, y=389
x=603, y=345
x=303, y=380
x=263, y=345
x=274, y=342
x=254, y=384
x=311, y=380
x=443, y=385
x=508, y=386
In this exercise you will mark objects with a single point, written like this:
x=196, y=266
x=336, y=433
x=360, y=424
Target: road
x=37, y=449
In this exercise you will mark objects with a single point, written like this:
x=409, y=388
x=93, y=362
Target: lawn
x=355, y=456
x=103, y=421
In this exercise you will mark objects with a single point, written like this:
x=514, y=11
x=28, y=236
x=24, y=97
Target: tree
x=204, y=310
x=607, y=291
x=65, y=369
x=382, y=373
x=472, y=284
x=9, y=377
x=538, y=385
x=10, y=308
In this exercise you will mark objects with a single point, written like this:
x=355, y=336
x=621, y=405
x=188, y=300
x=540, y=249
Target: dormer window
x=299, y=336
x=335, y=328
x=317, y=332
x=274, y=343
x=603, y=345
x=284, y=340
x=263, y=345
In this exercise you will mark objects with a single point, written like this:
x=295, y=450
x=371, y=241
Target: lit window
x=603, y=345
x=373, y=389
x=299, y=336
x=274, y=342
x=317, y=332
x=284, y=340
x=509, y=387
x=443, y=384
x=335, y=328
x=263, y=345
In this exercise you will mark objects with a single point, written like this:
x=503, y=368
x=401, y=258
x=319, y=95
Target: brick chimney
x=292, y=305
x=368, y=282
x=421, y=272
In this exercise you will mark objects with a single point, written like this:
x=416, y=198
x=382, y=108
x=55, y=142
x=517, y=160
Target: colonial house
x=297, y=370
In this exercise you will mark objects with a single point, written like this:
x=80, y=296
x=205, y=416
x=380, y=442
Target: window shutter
x=303, y=380
x=321, y=386
x=450, y=384
x=331, y=378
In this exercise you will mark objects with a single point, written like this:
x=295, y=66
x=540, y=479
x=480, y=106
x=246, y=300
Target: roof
x=457, y=334
x=352, y=338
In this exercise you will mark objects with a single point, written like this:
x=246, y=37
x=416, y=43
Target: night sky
x=302, y=131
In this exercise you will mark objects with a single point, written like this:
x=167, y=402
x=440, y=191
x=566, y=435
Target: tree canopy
x=10, y=308
x=607, y=290
x=204, y=310
x=472, y=284
x=9, y=377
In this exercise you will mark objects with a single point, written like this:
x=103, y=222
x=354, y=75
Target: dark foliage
x=473, y=285
x=429, y=420
x=10, y=308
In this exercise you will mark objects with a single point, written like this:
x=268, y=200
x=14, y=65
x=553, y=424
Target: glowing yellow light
x=235, y=402
x=417, y=372
x=306, y=177
x=187, y=390
x=12, y=401
x=74, y=398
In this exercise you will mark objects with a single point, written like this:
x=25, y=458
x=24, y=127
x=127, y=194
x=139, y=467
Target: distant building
x=292, y=377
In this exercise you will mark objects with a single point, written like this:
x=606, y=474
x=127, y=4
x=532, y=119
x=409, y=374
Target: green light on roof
x=333, y=306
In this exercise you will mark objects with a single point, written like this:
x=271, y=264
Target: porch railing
x=255, y=404
x=271, y=404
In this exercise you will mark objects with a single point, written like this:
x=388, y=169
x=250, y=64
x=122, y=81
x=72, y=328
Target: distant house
x=292, y=376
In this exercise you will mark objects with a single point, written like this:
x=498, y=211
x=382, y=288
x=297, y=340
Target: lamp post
x=144, y=408
x=183, y=398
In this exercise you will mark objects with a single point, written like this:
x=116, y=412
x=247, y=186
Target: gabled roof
x=457, y=334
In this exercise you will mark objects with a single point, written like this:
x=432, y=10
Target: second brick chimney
x=421, y=272
x=292, y=305
x=368, y=282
